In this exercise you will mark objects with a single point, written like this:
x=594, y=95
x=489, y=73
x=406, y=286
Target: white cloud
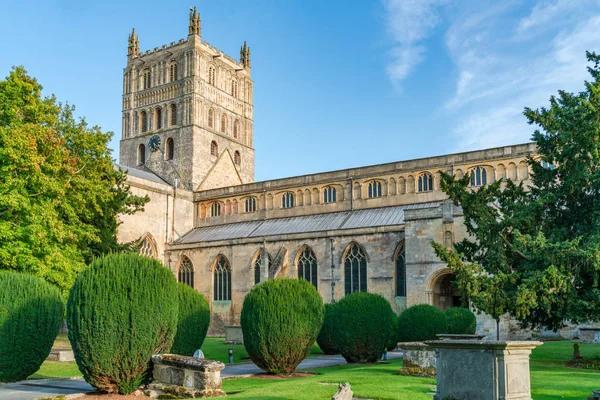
x=409, y=22
x=500, y=71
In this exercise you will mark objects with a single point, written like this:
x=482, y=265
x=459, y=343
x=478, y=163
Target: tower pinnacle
x=245, y=55
x=194, y=22
x=133, y=47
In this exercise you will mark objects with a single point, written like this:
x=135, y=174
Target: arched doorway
x=443, y=294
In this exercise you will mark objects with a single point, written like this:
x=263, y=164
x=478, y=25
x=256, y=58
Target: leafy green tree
x=535, y=252
x=59, y=192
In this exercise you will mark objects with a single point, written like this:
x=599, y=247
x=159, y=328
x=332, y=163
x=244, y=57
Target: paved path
x=40, y=388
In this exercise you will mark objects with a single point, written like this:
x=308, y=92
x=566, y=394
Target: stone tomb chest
x=186, y=376
x=483, y=370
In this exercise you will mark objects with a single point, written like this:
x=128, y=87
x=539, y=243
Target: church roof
x=143, y=174
x=365, y=218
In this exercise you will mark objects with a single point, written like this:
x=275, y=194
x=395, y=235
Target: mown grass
x=550, y=377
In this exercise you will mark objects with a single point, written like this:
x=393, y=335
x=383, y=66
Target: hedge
x=461, y=321
x=192, y=322
x=421, y=322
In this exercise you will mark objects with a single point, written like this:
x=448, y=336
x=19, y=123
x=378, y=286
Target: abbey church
x=187, y=143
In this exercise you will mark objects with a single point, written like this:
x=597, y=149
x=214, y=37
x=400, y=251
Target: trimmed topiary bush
x=421, y=322
x=192, y=322
x=393, y=340
x=326, y=338
x=280, y=320
x=365, y=322
x=461, y=321
x=31, y=313
x=121, y=310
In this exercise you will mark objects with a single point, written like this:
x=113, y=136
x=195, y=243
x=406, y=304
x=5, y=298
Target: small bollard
x=384, y=358
x=230, y=351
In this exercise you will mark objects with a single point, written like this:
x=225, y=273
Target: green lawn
x=379, y=381
x=550, y=378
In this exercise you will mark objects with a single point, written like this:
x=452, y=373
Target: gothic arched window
x=259, y=264
x=329, y=194
x=173, y=110
x=307, y=265
x=144, y=121
x=185, y=273
x=147, y=79
x=211, y=75
x=236, y=129
x=141, y=154
x=169, y=149
x=173, y=72
x=355, y=269
x=211, y=118
x=287, y=200
x=425, y=182
x=250, y=204
x=214, y=149
x=223, y=123
x=399, y=260
x=478, y=176
x=148, y=247
x=158, y=117
x=222, y=278
x=237, y=159
x=234, y=91
x=374, y=189
x=215, y=209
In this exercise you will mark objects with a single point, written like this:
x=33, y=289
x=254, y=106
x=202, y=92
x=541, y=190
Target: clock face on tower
x=154, y=143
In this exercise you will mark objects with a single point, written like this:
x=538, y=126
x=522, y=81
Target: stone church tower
x=188, y=113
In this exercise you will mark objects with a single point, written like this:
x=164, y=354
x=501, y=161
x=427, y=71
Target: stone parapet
x=483, y=370
x=187, y=376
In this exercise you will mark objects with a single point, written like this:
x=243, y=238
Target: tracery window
x=141, y=154
x=144, y=118
x=169, y=149
x=259, y=264
x=234, y=87
x=237, y=159
x=214, y=149
x=146, y=79
x=215, y=209
x=173, y=109
x=211, y=75
x=329, y=195
x=307, y=265
x=211, y=118
x=222, y=279
x=478, y=176
x=355, y=270
x=148, y=248
x=173, y=72
x=287, y=200
x=186, y=272
x=374, y=189
x=223, y=123
x=399, y=257
x=425, y=182
x=250, y=204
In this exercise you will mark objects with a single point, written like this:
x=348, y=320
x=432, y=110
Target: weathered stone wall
x=379, y=248
x=166, y=217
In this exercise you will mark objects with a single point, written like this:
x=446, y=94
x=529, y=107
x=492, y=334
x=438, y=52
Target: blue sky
x=338, y=84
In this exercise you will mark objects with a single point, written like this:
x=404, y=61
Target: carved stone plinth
x=187, y=376
x=482, y=370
